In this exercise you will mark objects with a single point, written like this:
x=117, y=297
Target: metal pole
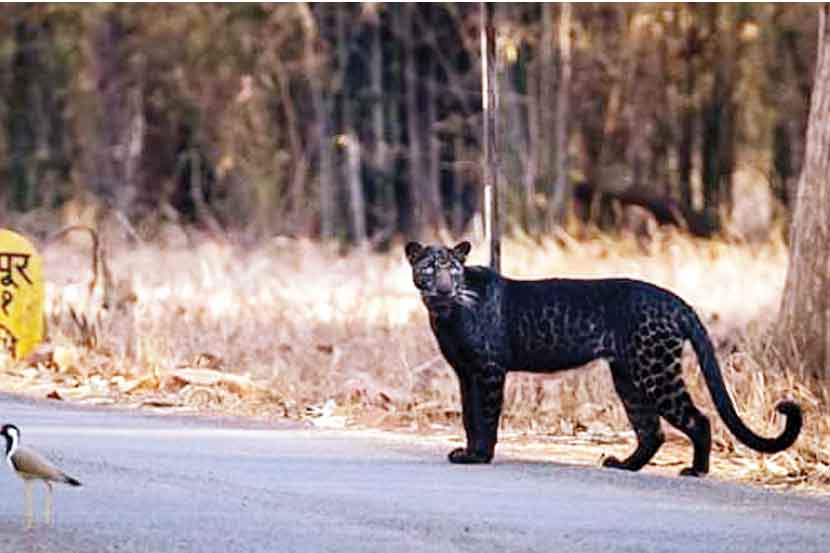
x=489, y=100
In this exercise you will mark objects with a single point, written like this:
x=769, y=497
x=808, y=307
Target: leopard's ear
x=461, y=250
x=413, y=250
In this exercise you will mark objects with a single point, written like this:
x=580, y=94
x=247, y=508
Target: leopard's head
x=438, y=272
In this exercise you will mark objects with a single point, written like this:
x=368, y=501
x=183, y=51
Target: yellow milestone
x=21, y=295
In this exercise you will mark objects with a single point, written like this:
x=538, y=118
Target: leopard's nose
x=443, y=284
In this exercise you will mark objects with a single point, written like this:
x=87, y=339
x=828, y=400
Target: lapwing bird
x=32, y=466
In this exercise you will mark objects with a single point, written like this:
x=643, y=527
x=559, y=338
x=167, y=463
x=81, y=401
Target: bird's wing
x=32, y=464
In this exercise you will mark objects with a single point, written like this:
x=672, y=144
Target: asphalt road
x=166, y=484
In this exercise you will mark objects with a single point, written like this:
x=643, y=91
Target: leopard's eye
x=428, y=270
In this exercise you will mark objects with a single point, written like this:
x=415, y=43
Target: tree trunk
x=457, y=215
x=387, y=212
x=434, y=148
x=414, y=151
x=563, y=193
x=349, y=138
x=784, y=155
x=38, y=163
x=430, y=149
x=322, y=123
x=719, y=116
x=517, y=152
x=685, y=147
x=326, y=176
x=297, y=213
x=547, y=90
x=357, y=206
x=490, y=106
x=376, y=84
x=536, y=146
x=804, y=320
x=121, y=119
x=21, y=126
x=400, y=186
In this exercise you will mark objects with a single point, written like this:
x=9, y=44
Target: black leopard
x=487, y=324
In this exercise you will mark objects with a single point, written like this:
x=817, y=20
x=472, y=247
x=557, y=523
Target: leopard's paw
x=614, y=463
x=461, y=455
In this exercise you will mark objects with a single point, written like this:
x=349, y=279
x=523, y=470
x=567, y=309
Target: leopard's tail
x=705, y=351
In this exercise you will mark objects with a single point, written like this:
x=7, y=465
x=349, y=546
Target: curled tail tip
x=792, y=426
x=790, y=409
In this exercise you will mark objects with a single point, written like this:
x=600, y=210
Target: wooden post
x=489, y=100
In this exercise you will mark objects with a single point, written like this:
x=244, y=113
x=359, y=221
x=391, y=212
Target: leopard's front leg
x=464, y=380
x=482, y=395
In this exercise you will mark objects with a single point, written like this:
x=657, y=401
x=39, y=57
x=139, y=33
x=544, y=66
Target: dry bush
x=299, y=330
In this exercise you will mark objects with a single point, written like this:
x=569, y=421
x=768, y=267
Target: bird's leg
x=28, y=516
x=48, y=511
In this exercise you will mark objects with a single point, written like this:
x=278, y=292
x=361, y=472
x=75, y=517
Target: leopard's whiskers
x=467, y=297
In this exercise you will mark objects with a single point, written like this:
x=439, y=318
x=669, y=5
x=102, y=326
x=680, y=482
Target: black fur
x=487, y=325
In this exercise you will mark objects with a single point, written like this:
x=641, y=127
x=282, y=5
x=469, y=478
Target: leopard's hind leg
x=679, y=411
x=665, y=389
x=643, y=417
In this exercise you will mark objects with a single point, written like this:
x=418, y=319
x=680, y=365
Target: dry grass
x=290, y=328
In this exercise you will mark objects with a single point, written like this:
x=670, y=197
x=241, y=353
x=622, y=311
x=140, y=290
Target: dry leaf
x=30, y=373
x=64, y=357
x=159, y=402
x=208, y=361
x=148, y=382
x=42, y=356
x=238, y=384
x=77, y=392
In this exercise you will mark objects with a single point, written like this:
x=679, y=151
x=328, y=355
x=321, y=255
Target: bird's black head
x=12, y=435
